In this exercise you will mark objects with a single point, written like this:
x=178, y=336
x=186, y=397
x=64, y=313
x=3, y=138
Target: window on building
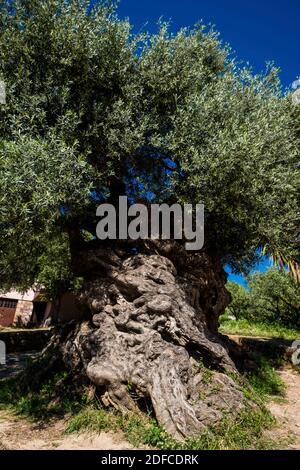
x=8, y=303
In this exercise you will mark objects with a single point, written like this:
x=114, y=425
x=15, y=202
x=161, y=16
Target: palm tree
x=283, y=261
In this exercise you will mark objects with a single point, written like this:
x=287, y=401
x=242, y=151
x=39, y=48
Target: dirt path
x=288, y=411
x=19, y=434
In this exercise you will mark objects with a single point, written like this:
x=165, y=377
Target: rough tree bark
x=150, y=329
x=149, y=333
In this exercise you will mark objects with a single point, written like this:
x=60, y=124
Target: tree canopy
x=271, y=296
x=94, y=111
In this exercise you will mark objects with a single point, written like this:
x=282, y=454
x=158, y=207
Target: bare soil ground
x=287, y=412
x=19, y=434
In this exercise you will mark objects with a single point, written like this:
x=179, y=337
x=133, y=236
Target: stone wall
x=23, y=312
x=26, y=340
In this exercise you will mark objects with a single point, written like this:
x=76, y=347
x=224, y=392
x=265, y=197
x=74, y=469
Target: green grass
x=55, y=398
x=262, y=384
x=245, y=431
x=138, y=429
x=206, y=373
x=266, y=381
x=246, y=328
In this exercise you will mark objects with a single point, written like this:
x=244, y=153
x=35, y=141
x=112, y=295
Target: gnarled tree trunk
x=151, y=325
x=149, y=336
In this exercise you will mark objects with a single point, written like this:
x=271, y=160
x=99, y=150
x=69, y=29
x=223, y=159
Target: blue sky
x=265, y=264
x=258, y=31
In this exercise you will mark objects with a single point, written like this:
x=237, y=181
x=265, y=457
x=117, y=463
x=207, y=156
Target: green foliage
x=94, y=111
x=239, y=300
x=55, y=397
x=273, y=298
x=262, y=382
x=243, y=432
x=206, y=373
x=91, y=418
x=266, y=380
x=139, y=430
x=257, y=328
x=54, y=267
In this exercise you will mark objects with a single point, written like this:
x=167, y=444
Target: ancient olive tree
x=94, y=112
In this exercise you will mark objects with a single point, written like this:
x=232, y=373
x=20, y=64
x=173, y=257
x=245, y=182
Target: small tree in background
x=275, y=297
x=272, y=297
x=240, y=300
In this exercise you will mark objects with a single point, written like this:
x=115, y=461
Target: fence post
x=2, y=353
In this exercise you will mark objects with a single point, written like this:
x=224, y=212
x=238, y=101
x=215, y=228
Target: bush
x=272, y=297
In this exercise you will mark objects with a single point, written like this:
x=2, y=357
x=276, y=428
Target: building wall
x=23, y=312
x=15, y=295
x=7, y=316
x=7, y=311
x=69, y=309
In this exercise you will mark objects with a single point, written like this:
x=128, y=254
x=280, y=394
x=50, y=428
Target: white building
x=23, y=308
x=29, y=308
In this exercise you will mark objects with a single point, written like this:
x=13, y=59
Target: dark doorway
x=38, y=313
